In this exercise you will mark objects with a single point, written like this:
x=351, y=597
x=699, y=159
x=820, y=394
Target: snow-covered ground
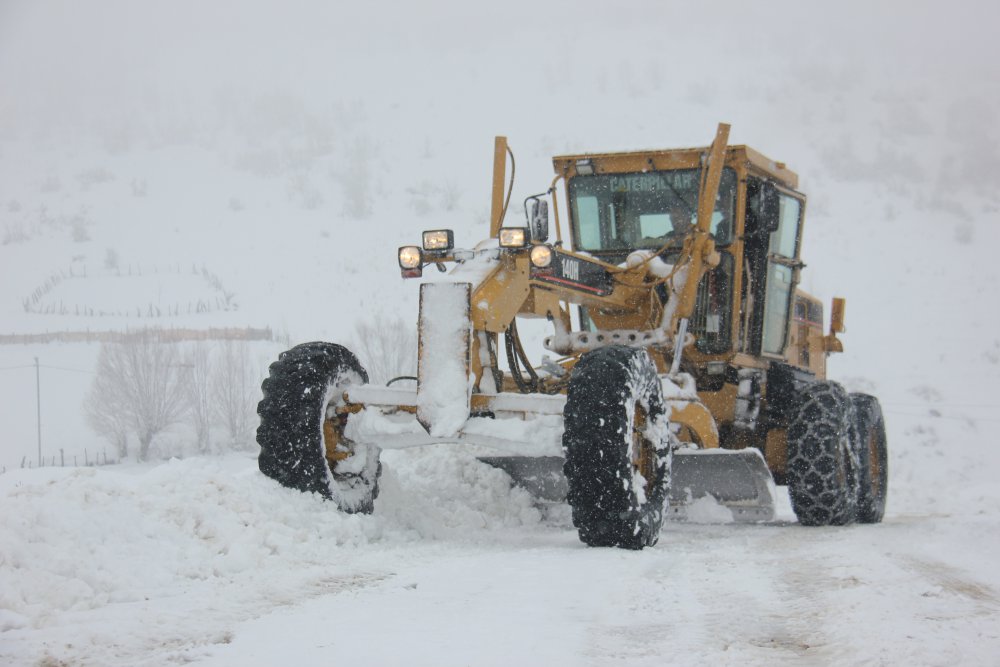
x=204, y=560
x=241, y=164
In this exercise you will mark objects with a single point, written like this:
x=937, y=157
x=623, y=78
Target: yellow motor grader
x=688, y=369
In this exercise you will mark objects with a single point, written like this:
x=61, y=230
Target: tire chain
x=822, y=457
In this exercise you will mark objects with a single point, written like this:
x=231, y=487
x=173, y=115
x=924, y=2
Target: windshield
x=618, y=212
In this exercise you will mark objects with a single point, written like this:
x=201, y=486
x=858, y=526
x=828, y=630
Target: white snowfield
x=207, y=561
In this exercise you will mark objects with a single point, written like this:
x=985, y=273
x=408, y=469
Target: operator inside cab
x=681, y=223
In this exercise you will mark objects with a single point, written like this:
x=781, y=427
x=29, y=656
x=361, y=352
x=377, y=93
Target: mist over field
x=255, y=166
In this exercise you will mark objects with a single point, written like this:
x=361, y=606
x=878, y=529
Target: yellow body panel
x=698, y=421
x=631, y=301
x=498, y=299
x=776, y=449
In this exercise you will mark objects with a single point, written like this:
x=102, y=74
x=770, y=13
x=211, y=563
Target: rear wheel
x=822, y=470
x=301, y=439
x=617, y=448
x=873, y=458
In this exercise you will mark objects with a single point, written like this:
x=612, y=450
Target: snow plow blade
x=542, y=476
x=738, y=480
x=702, y=482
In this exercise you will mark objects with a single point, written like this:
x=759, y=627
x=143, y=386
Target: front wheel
x=617, y=447
x=301, y=439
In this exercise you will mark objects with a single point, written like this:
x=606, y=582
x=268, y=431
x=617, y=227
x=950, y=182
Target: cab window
x=780, y=274
x=622, y=212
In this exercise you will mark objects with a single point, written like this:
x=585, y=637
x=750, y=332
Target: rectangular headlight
x=439, y=239
x=513, y=237
x=409, y=257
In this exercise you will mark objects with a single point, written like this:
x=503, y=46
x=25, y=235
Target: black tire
x=614, y=407
x=303, y=382
x=873, y=458
x=822, y=471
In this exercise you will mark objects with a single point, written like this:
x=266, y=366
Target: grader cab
x=688, y=367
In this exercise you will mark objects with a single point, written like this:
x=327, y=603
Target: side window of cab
x=780, y=274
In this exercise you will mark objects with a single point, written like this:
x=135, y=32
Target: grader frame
x=624, y=304
x=717, y=355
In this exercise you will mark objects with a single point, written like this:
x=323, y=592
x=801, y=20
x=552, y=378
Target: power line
x=56, y=368
x=61, y=368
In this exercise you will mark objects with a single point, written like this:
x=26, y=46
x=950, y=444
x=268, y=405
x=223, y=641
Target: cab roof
x=673, y=158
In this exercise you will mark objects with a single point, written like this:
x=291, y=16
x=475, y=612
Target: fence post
x=38, y=403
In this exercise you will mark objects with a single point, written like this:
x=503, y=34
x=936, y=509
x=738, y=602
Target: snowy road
x=207, y=561
x=774, y=597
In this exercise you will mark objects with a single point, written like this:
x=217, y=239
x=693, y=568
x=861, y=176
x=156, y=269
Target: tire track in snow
x=954, y=581
x=701, y=608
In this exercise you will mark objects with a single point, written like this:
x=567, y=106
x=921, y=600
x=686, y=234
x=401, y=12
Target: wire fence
x=73, y=461
x=171, y=335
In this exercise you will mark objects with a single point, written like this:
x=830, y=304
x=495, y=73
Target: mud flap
x=738, y=480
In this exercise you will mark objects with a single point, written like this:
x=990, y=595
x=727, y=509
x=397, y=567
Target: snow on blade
x=443, y=388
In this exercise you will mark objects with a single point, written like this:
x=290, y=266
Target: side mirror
x=538, y=221
x=769, y=207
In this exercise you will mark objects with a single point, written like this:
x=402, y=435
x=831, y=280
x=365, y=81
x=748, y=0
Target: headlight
x=409, y=257
x=439, y=239
x=541, y=256
x=513, y=237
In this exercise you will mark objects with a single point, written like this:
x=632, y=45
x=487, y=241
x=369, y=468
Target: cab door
x=771, y=245
x=781, y=275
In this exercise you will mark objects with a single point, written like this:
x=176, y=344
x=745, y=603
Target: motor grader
x=687, y=367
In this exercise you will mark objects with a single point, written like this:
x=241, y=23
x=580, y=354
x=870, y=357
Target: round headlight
x=541, y=256
x=409, y=257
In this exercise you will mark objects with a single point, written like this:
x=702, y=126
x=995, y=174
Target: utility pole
x=38, y=397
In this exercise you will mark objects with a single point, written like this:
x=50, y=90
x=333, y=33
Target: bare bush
x=197, y=386
x=111, y=259
x=450, y=194
x=14, y=233
x=235, y=392
x=137, y=384
x=80, y=233
x=94, y=176
x=386, y=347
x=106, y=413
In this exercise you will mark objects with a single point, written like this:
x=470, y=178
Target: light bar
x=409, y=257
x=439, y=239
x=513, y=237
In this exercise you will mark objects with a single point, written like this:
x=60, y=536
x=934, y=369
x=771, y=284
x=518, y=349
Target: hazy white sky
x=103, y=54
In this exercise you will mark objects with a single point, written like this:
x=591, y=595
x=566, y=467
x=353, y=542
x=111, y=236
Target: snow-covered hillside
x=245, y=164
